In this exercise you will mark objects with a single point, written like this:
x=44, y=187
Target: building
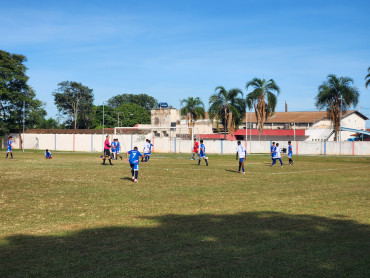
x=294, y=126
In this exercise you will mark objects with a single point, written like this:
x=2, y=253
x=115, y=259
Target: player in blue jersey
x=150, y=149
x=118, y=148
x=9, y=149
x=113, y=145
x=277, y=155
x=290, y=153
x=48, y=154
x=241, y=153
x=133, y=159
x=272, y=150
x=202, y=153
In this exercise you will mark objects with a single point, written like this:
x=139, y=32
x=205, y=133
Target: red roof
x=273, y=132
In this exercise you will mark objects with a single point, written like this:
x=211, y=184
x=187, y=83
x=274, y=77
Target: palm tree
x=263, y=90
x=336, y=95
x=228, y=107
x=367, y=78
x=193, y=109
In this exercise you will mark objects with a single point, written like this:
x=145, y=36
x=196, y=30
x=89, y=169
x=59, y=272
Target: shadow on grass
x=255, y=244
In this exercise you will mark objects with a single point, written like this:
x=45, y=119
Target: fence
x=94, y=143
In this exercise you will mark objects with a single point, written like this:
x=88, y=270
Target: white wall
x=94, y=143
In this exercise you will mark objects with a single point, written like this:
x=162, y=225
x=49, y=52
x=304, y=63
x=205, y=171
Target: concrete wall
x=94, y=143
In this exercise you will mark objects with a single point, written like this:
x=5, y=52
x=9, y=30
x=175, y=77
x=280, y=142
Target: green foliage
x=75, y=101
x=129, y=115
x=337, y=95
x=14, y=93
x=227, y=105
x=193, y=108
x=263, y=98
x=143, y=100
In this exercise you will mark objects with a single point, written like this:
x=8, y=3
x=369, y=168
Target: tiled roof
x=298, y=117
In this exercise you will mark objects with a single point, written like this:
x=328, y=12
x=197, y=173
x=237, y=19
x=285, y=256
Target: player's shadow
x=232, y=171
x=251, y=244
x=126, y=178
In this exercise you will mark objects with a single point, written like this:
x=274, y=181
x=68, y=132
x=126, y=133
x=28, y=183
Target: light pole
x=250, y=131
x=103, y=119
x=118, y=119
x=340, y=125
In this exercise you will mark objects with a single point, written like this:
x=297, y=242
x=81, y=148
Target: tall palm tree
x=336, y=95
x=367, y=78
x=193, y=108
x=263, y=90
x=228, y=107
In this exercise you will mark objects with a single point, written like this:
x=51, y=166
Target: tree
x=227, y=107
x=71, y=98
x=16, y=94
x=336, y=95
x=367, y=78
x=263, y=98
x=193, y=109
x=128, y=114
x=143, y=100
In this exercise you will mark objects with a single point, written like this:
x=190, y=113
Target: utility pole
x=24, y=111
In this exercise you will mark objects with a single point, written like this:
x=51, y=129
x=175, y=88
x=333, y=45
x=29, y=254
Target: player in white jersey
x=277, y=156
x=146, y=150
x=241, y=153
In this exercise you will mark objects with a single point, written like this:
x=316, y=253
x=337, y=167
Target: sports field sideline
x=73, y=217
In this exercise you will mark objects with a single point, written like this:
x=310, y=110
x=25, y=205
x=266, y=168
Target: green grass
x=73, y=217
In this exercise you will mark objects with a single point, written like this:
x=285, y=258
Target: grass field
x=73, y=217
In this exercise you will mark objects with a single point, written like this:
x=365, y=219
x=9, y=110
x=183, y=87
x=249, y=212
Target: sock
x=136, y=174
x=146, y=159
x=11, y=154
x=199, y=162
x=104, y=160
x=240, y=166
x=132, y=172
x=7, y=155
x=110, y=162
x=206, y=161
x=243, y=170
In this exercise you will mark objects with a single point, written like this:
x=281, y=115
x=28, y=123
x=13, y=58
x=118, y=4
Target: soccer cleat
x=243, y=173
x=133, y=178
x=135, y=181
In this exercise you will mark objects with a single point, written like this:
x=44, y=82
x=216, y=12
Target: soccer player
x=241, y=153
x=272, y=151
x=107, y=147
x=48, y=154
x=290, y=153
x=146, y=150
x=202, y=153
x=278, y=155
x=133, y=159
x=9, y=149
x=118, y=148
x=113, y=148
x=195, y=149
x=150, y=149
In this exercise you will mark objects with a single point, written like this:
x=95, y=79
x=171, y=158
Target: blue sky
x=175, y=49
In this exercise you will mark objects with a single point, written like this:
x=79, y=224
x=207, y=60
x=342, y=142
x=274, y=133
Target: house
x=294, y=126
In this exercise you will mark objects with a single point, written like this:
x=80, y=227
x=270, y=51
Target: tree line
x=74, y=102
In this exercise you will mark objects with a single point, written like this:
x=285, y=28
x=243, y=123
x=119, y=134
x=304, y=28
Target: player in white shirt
x=241, y=154
x=146, y=150
x=277, y=156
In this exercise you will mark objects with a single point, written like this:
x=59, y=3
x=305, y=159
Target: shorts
x=9, y=149
x=290, y=155
x=134, y=166
x=117, y=151
x=202, y=155
x=146, y=154
x=114, y=151
x=241, y=159
x=106, y=152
